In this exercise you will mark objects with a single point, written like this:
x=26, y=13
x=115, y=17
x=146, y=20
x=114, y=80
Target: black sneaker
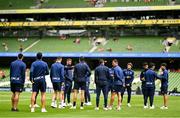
x=14, y=110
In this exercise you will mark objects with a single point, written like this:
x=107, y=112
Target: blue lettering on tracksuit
x=81, y=72
x=57, y=72
x=129, y=76
x=17, y=72
x=38, y=71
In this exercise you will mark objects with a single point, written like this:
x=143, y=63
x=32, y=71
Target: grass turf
x=16, y=4
x=26, y=4
x=135, y=111
x=51, y=44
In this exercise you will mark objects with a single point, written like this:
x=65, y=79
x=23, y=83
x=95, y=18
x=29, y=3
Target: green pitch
x=135, y=111
x=20, y=4
x=52, y=44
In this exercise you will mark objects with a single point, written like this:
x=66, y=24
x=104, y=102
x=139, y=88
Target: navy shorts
x=16, y=87
x=80, y=85
x=39, y=86
x=117, y=88
x=57, y=86
x=164, y=90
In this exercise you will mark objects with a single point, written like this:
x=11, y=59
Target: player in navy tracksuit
x=164, y=84
x=38, y=71
x=150, y=77
x=145, y=67
x=17, y=79
x=129, y=77
x=57, y=79
x=87, y=94
x=68, y=73
x=117, y=85
x=81, y=72
x=102, y=76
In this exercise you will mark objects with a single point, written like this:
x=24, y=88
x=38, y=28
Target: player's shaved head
x=39, y=55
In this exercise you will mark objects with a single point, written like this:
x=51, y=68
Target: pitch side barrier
x=96, y=55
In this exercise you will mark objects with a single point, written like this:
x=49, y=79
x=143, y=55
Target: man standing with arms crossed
x=39, y=69
x=81, y=72
x=17, y=79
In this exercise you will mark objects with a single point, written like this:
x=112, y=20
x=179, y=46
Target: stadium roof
x=81, y=10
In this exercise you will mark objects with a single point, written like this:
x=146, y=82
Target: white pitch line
x=95, y=47
x=31, y=46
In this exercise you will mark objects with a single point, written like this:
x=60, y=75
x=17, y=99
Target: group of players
x=114, y=80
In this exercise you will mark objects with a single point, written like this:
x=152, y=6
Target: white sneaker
x=152, y=107
x=129, y=105
x=97, y=108
x=32, y=110
x=64, y=105
x=119, y=108
x=163, y=107
x=73, y=107
x=89, y=104
x=109, y=108
x=81, y=108
x=69, y=104
x=53, y=105
x=36, y=106
x=145, y=107
x=43, y=110
x=61, y=107
x=105, y=108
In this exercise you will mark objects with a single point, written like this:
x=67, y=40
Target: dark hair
x=151, y=65
x=81, y=58
x=59, y=58
x=145, y=63
x=39, y=55
x=20, y=56
x=101, y=61
x=115, y=60
x=164, y=64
